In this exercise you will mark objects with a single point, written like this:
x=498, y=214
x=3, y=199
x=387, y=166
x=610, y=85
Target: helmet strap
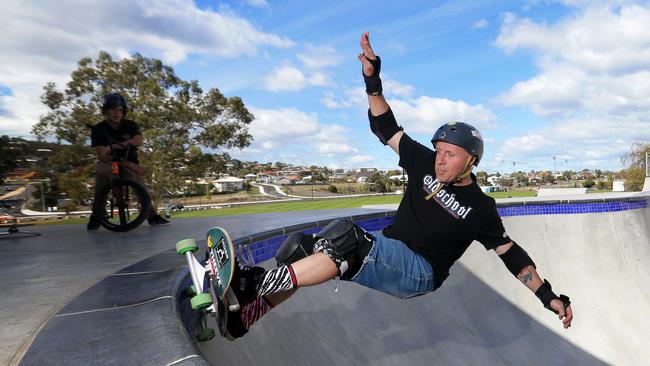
x=467, y=170
x=435, y=191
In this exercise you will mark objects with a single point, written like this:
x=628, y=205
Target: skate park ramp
x=599, y=256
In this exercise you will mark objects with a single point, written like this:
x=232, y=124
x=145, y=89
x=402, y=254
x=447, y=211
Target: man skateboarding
x=443, y=211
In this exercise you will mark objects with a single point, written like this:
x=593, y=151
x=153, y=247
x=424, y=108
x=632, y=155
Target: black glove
x=373, y=82
x=545, y=294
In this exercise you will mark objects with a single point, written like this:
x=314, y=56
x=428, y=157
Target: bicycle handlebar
x=113, y=141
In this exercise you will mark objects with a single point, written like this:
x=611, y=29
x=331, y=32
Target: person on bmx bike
x=127, y=133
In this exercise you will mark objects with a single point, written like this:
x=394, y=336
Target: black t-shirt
x=125, y=131
x=442, y=228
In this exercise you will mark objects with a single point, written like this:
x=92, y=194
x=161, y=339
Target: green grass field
x=511, y=194
x=307, y=205
x=329, y=204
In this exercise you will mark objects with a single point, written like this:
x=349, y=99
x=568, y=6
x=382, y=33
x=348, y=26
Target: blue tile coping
x=139, y=316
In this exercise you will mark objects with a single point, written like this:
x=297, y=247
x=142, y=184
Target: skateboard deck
x=211, y=281
x=221, y=259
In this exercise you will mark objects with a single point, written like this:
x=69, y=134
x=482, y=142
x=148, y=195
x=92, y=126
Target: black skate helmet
x=113, y=100
x=463, y=135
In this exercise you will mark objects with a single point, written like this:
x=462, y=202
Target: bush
x=588, y=183
x=332, y=188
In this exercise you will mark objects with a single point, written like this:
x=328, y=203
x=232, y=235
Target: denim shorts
x=391, y=267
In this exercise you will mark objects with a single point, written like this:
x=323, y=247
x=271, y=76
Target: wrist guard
x=384, y=126
x=545, y=294
x=373, y=82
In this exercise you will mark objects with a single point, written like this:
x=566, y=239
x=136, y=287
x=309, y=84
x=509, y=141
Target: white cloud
x=318, y=57
x=292, y=78
x=361, y=159
x=593, y=79
x=586, y=142
x=597, y=60
x=282, y=125
x=258, y=3
x=349, y=98
x=394, y=88
x=289, y=78
x=48, y=38
x=356, y=97
x=290, y=135
x=480, y=24
x=425, y=114
x=334, y=148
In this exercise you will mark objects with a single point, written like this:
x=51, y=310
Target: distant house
x=337, y=177
x=264, y=178
x=288, y=180
x=250, y=177
x=494, y=180
x=362, y=174
x=365, y=170
x=229, y=184
x=618, y=185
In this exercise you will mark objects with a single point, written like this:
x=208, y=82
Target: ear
x=473, y=160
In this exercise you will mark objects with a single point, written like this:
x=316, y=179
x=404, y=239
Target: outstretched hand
x=565, y=315
x=367, y=53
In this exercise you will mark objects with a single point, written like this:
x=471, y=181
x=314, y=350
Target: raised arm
x=520, y=265
x=382, y=121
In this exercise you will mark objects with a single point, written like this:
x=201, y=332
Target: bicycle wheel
x=122, y=206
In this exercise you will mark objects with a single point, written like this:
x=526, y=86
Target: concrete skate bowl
x=595, y=250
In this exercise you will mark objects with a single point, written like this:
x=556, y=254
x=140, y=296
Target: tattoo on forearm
x=526, y=277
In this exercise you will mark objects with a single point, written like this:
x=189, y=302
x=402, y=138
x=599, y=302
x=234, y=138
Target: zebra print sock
x=277, y=280
x=254, y=311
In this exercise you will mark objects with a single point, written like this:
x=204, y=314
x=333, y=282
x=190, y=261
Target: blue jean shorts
x=391, y=267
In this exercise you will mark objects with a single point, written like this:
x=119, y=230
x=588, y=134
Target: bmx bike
x=123, y=204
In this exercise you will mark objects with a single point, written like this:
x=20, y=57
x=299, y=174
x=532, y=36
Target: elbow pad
x=516, y=259
x=384, y=126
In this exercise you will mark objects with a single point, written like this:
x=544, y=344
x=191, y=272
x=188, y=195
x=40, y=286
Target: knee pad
x=345, y=243
x=294, y=248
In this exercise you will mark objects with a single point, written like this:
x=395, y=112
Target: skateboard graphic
x=211, y=292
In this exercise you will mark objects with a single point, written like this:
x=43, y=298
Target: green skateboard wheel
x=186, y=245
x=205, y=335
x=201, y=301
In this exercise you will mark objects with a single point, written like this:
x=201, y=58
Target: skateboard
x=12, y=230
x=211, y=292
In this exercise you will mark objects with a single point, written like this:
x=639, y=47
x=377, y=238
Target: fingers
x=365, y=40
x=568, y=318
x=365, y=45
x=564, y=314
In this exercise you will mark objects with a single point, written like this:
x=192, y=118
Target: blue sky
x=540, y=79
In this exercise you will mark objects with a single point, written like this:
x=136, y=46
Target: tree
x=547, y=177
x=390, y=173
x=173, y=114
x=381, y=182
x=634, y=175
x=7, y=157
x=481, y=178
x=506, y=182
x=520, y=178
